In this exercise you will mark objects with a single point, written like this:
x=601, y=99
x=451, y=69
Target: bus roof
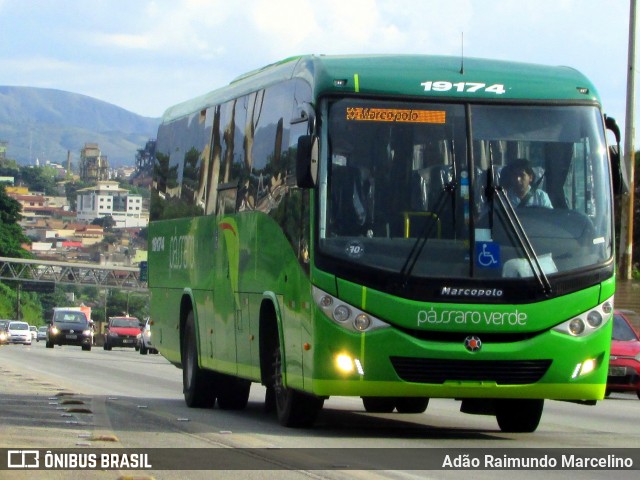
x=407, y=75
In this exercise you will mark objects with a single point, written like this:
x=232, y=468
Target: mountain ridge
x=45, y=124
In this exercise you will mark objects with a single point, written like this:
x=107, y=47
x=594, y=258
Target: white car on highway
x=19, y=333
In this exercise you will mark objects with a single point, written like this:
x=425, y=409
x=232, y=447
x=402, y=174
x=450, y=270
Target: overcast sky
x=145, y=55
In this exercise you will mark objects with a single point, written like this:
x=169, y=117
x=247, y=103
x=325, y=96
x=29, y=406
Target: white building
x=107, y=199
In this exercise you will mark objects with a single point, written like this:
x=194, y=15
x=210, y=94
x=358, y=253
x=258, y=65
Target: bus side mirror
x=307, y=161
x=612, y=125
x=618, y=169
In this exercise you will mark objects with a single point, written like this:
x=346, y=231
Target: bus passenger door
x=226, y=304
x=245, y=336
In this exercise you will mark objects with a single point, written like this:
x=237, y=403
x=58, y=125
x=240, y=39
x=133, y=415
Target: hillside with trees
x=45, y=124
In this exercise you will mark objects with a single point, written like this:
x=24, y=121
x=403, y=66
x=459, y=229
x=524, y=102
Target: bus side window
x=348, y=209
x=227, y=196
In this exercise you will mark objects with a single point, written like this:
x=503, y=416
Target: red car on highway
x=624, y=362
x=121, y=332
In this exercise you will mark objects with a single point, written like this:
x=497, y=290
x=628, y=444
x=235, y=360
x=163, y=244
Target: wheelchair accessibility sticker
x=488, y=255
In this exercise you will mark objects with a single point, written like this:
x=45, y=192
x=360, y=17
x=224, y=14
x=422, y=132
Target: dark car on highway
x=4, y=331
x=624, y=362
x=70, y=327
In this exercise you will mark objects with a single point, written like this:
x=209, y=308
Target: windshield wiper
x=492, y=191
x=417, y=247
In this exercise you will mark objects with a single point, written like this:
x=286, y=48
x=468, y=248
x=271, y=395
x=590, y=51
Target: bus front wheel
x=198, y=385
x=412, y=404
x=379, y=404
x=518, y=415
x=294, y=409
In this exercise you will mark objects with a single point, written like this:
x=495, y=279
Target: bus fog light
x=344, y=363
x=341, y=313
x=594, y=318
x=588, y=366
x=576, y=371
x=359, y=366
x=576, y=326
x=362, y=322
x=607, y=307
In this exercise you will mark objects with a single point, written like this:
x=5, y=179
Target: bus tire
x=198, y=385
x=379, y=404
x=233, y=392
x=518, y=415
x=412, y=404
x=295, y=409
x=270, y=400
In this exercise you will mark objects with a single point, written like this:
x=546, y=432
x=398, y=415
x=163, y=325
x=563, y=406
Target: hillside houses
x=58, y=233
x=107, y=199
x=38, y=205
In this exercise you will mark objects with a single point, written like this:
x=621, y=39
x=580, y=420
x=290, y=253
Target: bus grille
x=502, y=372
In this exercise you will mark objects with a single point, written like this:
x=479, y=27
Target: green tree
x=107, y=222
x=123, y=302
x=11, y=235
x=39, y=179
x=51, y=300
x=9, y=168
x=135, y=190
x=30, y=306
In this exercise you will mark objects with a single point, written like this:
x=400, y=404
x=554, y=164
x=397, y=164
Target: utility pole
x=627, y=204
x=18, y=305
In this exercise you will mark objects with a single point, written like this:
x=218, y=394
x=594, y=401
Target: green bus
x=391, y=227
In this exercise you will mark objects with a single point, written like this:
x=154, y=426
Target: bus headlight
x=345, y=315
x=588, y=322
x=341, y=313
x=576, y=326
x=362, y=322
x=325, y=301
x=594, y=318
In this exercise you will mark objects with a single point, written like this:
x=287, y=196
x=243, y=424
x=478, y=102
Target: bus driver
x=519, y=176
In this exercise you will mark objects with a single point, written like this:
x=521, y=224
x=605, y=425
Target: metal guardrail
x=84, y=274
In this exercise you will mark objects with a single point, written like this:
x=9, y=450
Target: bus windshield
x=455, y=190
